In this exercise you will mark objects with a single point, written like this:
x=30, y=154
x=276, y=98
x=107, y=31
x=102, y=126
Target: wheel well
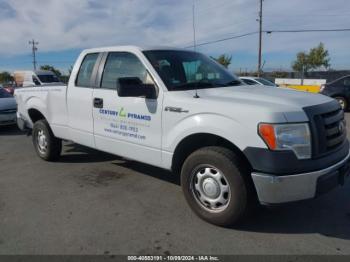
x=194, y=142
x=342, y=96
x=35, y=115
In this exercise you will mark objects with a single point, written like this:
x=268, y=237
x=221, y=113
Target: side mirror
x=133, y=87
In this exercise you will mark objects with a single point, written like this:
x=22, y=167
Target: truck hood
x=7, y=103
x=261, y=102
x=269, y=96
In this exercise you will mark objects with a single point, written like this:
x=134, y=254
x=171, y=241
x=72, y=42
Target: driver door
x=126, y=126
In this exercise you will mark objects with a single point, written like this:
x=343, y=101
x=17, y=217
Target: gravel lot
x=95, y=203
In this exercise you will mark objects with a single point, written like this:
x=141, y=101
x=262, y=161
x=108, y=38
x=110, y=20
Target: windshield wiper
x=197, y=85
x=201, y=85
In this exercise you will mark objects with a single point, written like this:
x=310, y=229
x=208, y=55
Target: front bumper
x=273, y=189
x=7, y=119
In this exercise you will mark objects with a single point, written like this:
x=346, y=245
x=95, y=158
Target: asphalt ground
x=90, y=202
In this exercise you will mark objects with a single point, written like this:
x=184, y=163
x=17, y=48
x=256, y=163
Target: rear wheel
x=214, y=184
x=47, y=146
x=342, y=101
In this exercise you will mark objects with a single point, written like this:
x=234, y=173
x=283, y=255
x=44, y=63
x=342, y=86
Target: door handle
x=175, y=109
x=98, y=102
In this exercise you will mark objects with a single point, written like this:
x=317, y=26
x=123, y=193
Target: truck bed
x=50, y=100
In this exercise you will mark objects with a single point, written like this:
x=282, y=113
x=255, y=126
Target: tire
x=342, y=101
x=46, y=145
x=233, y=201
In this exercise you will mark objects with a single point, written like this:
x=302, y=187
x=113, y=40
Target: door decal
x=125, y=124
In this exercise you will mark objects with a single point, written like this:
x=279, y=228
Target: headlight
x=294, y=137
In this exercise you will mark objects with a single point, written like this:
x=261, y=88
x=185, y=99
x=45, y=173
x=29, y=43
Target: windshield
x=4, y=93
x=48, y=78
x=185, y=70
x=265, y=82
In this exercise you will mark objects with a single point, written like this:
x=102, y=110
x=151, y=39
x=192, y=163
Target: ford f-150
x=234, y=145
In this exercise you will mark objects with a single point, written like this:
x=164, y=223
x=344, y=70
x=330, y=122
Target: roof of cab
x=132, y=48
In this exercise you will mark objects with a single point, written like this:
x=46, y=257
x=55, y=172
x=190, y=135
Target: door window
x=86, y=69
x=120, y=65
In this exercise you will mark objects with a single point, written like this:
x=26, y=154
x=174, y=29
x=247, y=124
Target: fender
x=34, y=102
x=212, y=123
x=25, y=103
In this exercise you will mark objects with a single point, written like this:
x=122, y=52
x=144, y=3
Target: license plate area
x=333, y=179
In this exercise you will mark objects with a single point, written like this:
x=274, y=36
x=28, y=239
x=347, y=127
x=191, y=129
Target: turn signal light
x=267, y=132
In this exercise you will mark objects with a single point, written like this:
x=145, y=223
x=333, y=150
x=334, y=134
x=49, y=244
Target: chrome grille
x=328, y=128
x=335, y=128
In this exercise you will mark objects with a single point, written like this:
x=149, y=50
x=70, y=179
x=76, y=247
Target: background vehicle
x=35, y=78
x=8, y=108
x=251, y=80
x=179, y=110
x=338, y=89
x=9, y=88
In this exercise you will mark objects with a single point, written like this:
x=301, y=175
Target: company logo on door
x=124, y=114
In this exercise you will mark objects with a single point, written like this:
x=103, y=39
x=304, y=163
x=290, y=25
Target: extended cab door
x=79, y=99
x=126, y=126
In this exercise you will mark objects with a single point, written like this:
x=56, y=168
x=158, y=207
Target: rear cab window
x=85, y=71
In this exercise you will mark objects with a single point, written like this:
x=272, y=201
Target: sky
x=65, y=27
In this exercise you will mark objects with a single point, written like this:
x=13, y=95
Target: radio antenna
x=194, y=26
x=194, y=40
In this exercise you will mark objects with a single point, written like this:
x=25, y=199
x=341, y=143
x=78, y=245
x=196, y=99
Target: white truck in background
x=179, y=110
x=35, y=78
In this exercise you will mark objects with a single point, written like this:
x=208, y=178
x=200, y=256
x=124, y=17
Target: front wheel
x=47, y=146
x=214, y=184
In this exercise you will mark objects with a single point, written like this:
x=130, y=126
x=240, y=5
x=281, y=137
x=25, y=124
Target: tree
x=5, y=77
x=316, y=58
x=225, y=60
x=52, y=69
x=319, y=57
x=302, y=64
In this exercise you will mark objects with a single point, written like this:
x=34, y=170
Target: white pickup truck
x=179, y=110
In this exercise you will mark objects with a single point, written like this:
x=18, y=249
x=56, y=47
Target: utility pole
x=34, y=49
x=260, y=36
